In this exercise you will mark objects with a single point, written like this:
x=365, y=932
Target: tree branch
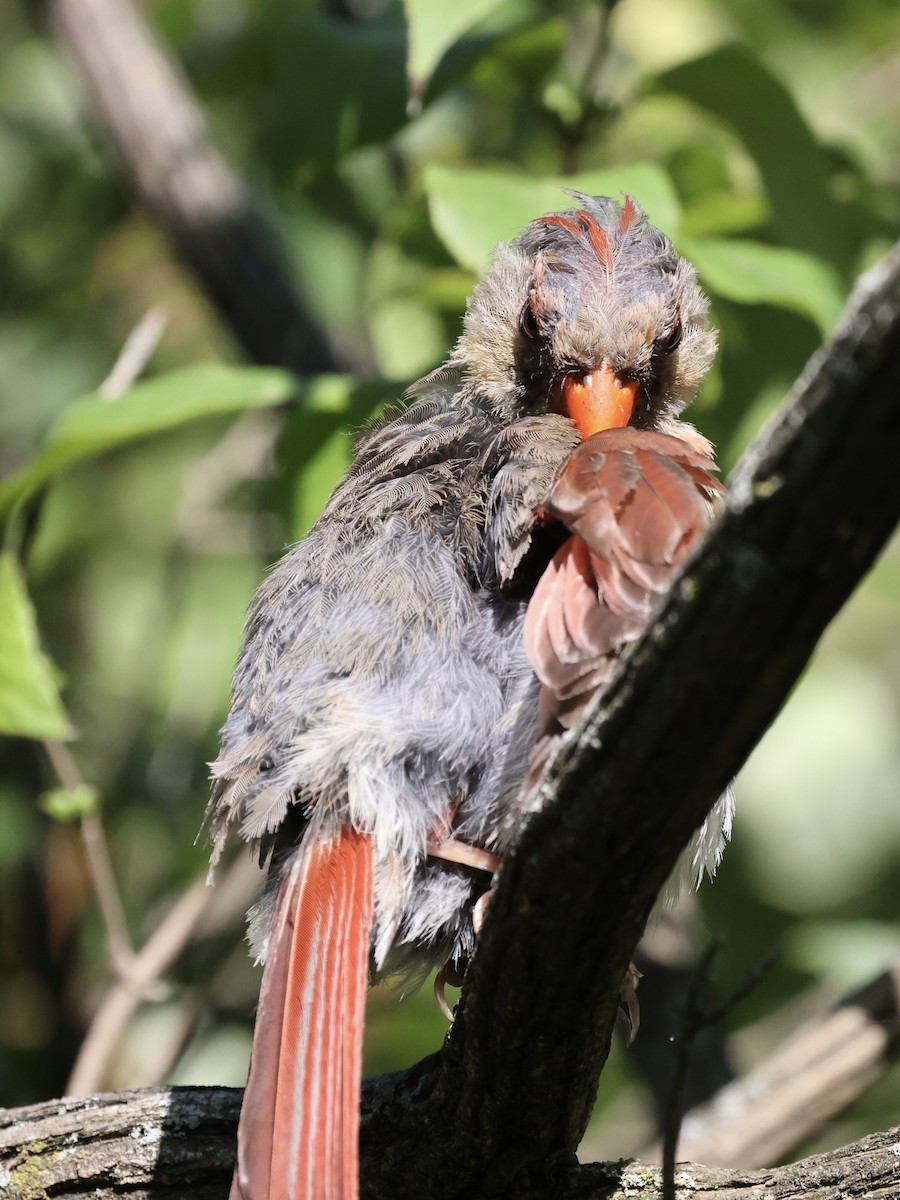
x=147, y=111
x=161, y=1142
x=810, y=506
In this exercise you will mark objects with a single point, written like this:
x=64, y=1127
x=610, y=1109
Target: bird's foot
x=628, y=997
x=465, y=855
x=454, y=851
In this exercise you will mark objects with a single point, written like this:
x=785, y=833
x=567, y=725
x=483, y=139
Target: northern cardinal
x=409, y=665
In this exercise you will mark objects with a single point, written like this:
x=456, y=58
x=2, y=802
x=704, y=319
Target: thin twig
x=748, y=984
x=131, y=361
x=118, y=1005
x=691, y=1025
x=137, y=974
x=695, y=1017
x=232, y=895
x=93, y=837
x=135, y=353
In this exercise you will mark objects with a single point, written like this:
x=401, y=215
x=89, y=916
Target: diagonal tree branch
x=810, y=506
x=823, y=1066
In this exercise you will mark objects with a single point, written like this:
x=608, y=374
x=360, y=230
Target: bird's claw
x=448, y=974
x=628, y=997
x=478, y=911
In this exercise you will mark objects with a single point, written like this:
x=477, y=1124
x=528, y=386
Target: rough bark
x=161, y=1142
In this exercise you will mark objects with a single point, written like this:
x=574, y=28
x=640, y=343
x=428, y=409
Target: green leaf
x=93, y=424
x=754, y=273
x=29, y=702
x=519, y=62
x=347, y=77
x=474, y=209
x=70, y=804
x=433, y=26
x=737, y=88
x=718, y=213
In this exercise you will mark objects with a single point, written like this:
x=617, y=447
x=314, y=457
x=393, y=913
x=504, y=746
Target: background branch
x=149, y=115
x=824, y=1066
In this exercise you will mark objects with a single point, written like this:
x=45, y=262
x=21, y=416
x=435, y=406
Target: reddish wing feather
x=636, y=502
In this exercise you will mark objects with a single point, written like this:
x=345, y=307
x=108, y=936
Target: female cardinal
x=408, y=666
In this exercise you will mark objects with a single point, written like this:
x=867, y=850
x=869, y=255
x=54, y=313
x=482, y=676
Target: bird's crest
x=629, y=214
x=582, y=224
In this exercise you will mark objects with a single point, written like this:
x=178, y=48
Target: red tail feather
x=299, y=1132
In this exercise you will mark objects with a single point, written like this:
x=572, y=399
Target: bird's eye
x=265, y=765
x=672, y=340
x=528, y=322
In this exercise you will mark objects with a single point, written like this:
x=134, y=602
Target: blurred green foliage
x=392, y=149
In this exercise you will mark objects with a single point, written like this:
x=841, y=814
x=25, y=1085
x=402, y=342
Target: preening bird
x=409, y=666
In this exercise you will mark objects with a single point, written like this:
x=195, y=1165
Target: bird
x=409, y=667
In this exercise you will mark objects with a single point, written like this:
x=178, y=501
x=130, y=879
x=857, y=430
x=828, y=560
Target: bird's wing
x=635, y=504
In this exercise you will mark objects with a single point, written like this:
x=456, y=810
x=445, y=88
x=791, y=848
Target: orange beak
x=598, y=401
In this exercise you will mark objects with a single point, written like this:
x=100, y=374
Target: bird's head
x=593, y=314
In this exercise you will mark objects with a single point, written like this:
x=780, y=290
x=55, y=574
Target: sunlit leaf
x=473, y=209
x=93, y=424
x=733, y=84
x=754, y=273
x=722, y=213
x=29, y=702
